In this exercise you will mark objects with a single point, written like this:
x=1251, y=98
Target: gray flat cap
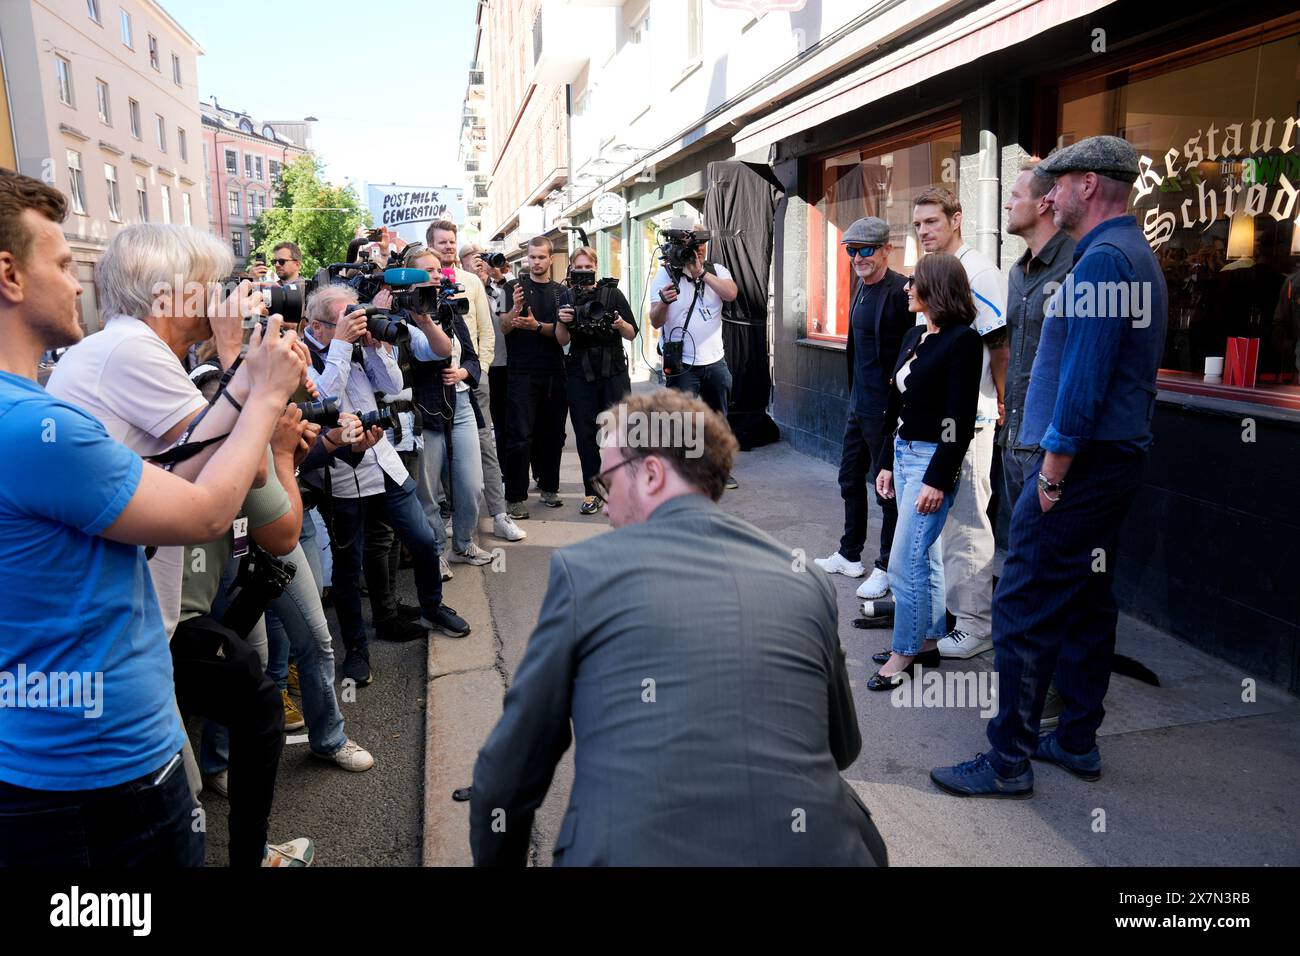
x=1104, y=155
x=869, y=231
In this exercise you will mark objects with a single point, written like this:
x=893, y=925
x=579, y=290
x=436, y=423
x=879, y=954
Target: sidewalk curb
x=463, y=701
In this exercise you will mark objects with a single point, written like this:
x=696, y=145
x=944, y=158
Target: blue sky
x=288, y=59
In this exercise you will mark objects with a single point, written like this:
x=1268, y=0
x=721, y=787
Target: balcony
x=557, y=59
x=476, y=81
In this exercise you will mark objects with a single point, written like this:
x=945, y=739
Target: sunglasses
x=280, y=262
x=864, y=252
x=600, y=483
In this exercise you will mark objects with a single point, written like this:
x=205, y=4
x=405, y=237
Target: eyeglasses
x=280, y=262
x=865, y=252
x=600, y=483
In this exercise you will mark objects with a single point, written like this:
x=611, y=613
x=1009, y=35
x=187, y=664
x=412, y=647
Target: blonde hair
x=146, y=258
x=587, y=251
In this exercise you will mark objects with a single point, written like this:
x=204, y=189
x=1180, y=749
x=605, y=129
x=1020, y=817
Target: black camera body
x=438, y=300
x=591, y=313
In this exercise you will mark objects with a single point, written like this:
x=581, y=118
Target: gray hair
x=323, y=301
x=471, y=249
x=148, y=258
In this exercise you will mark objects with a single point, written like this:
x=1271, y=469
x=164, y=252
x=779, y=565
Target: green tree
x=320, y=218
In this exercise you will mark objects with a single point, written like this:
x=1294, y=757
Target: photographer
x=444, y=392
x=496, y=283
x=537, y=402
x=379, y=483
x=76, y=508
x=691, y=320
x=594, y=328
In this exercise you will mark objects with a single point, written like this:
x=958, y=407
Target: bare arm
x=727, y=289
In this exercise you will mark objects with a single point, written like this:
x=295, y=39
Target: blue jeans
x=712, y=383
x=916, y=559
x=466, y=478
x=399, y=507
x=277, y=642
x=137, y=823
x=1054, y=610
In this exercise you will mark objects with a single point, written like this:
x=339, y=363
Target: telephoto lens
x=324, y=413
x=495, y=260
x=384, y=418
x=285, y=300
x=385, y=328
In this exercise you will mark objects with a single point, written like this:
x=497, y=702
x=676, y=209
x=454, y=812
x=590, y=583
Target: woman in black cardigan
x=933, y=396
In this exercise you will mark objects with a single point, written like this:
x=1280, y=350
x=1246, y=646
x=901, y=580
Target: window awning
x=989, y=29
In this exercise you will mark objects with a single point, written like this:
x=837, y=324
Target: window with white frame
x=128, y=40
x=92, y=11
x=114, y=198
x=232, y=162
x=76, y=183
x=185, y=209
x=237, y=243
x=176, y=70
x=101, y=99
x=167, y=204
x=160, y=131
x=233, y=204
x=248, y=166
x=141, y=199
x=257, y=166
x=63, y=74
x=182, y=144
x=153, y=53
x=133, y=108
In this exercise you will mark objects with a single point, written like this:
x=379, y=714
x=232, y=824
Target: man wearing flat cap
x=1091, y=396
x=878, y=320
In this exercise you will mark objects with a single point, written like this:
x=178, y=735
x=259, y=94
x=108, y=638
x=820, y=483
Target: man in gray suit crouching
x=702, y=672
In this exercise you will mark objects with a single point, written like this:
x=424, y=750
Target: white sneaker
x=961, y=645
x=837, y=564
x=299, y=852
x=351, y=756
x=874, y=587
x=471, y=555
x=503, y=526
x=444, y=568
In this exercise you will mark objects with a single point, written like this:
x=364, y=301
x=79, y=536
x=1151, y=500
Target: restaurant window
x=878, y=179
x=1218, y=142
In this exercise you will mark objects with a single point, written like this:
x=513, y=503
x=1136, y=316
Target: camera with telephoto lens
x=591, y=312
x=324, y=412
x=677, y=248
x=385, y=418
x=494, y=260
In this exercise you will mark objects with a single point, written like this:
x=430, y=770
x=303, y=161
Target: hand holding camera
x=293, y=436
x=668, y=295
x=566, y=314
x=275, y=364
x=352, y=327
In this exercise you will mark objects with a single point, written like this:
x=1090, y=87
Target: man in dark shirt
x=878, y=320
x=1033, y=277
x=537, y=400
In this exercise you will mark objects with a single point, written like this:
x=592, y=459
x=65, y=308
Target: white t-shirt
x=128, y=378
x=703, y=339
x=990, y=288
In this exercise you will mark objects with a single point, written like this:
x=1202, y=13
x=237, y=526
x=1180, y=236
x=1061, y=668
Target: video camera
x=677, y=249
x=437, y=300
x=591, y=312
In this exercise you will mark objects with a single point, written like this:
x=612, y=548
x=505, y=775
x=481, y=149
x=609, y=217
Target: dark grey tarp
x=740, y=209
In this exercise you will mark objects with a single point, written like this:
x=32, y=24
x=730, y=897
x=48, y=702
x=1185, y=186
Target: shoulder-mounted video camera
x=677, y=248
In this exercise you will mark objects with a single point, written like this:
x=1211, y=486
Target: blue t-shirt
x=86, y=693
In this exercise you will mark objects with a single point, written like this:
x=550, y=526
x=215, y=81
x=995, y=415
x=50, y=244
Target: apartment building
x=473, y=153
x=242, y=161
x=103, y=103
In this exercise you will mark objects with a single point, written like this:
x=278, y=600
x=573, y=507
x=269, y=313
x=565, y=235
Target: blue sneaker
x=977, y=778
x=1084, y=766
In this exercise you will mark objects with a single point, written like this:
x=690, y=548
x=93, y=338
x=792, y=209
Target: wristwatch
x=1050, y=487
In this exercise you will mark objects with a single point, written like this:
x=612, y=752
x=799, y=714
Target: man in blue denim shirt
x=1091, y=396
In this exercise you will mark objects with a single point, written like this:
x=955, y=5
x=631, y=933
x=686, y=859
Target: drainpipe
x=988, y=194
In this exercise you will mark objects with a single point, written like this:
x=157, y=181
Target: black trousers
x=864, y=443
x=219, y=676
x=498, y=380
x=536, y=408
x=586, y=401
